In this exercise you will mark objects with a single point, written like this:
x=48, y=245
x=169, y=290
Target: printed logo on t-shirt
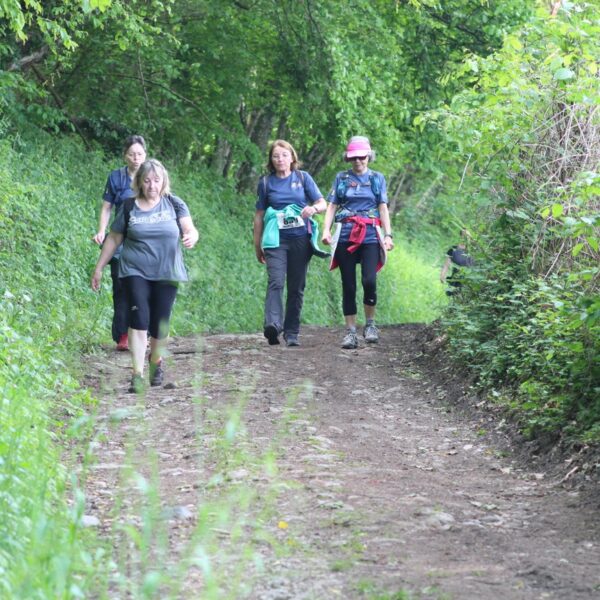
x=296, y=185
x=159, y=217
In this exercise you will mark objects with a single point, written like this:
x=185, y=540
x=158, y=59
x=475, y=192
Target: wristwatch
x=389, y=235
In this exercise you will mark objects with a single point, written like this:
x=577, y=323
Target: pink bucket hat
x=358, y=146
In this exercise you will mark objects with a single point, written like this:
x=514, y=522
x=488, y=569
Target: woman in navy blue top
x=358, y=205
x=118, y=189
x=287, y=199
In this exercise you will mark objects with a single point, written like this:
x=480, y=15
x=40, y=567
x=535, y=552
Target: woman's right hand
x=99, y=238
x=260, y=255
x=326, y=238
x=96, y=279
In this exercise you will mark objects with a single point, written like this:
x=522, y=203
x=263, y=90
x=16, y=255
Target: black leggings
x=120, y=306
x=368, y=257
x=150, y=305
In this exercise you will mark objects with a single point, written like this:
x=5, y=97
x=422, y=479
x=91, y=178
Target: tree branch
x=29, y=61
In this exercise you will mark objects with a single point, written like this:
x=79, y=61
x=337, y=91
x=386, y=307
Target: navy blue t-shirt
x=118, y=189
x=297, y=188
x=359, y=198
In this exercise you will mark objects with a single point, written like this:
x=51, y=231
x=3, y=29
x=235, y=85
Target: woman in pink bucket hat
x=358, y=206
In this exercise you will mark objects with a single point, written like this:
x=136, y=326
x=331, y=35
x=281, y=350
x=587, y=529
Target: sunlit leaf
x=564, y=74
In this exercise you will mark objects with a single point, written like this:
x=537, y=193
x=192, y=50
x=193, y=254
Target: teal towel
x=270, y=237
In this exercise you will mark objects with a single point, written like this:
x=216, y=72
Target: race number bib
x=291, y=222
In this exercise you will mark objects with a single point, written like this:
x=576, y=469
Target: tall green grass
x=46, y=318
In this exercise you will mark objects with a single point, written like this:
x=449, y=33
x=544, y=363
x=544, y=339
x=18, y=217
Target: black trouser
x=288, y=262
x=368, y=257
x=120, y=321
x=150, y=305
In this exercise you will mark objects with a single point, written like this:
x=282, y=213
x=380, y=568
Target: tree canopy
x=212, y=82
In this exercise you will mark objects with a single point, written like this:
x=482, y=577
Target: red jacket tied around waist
x=357, y=236
x=359, y=230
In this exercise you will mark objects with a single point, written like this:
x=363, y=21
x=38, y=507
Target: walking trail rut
x=279, y=473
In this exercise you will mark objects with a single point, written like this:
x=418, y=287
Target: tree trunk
x=220, y=159
x=259, y=125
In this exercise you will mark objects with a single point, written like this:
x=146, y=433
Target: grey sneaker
x=157, y=374
x=371, y=334
x=350, y=341
x=291, y=339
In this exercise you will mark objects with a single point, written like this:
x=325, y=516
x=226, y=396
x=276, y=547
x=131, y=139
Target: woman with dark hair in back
x=117, y=189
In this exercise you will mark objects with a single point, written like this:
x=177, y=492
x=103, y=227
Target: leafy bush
x=528, y=317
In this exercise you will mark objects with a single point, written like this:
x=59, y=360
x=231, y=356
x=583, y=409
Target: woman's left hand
x=96, y=279
x=388, y=242
x=308, y=212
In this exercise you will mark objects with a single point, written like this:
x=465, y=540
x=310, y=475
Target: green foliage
x=42, y=549
x=213, y=82
x=45, y=316
x=528, y=317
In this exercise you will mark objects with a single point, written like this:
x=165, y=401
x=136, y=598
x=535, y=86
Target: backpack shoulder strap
x=264, y=180
x=302, y=174
x=375, y=180
x=342, y=187
x=170, y=199
x=127, y=208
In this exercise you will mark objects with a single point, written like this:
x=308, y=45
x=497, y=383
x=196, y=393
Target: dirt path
x=312, y=472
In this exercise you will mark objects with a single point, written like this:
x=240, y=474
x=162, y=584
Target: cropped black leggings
x=150, y=304
x=368, y=257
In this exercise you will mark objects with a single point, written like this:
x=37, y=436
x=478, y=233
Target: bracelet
x=388, y=235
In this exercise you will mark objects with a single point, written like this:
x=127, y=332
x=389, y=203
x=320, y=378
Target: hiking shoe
x=123, y=343
x=291, y=339
x=137, y=384
x=157, y=373
x=350, y=340
x=271, y=332
x=371, y=334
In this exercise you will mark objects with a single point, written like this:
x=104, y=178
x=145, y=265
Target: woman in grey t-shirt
x=151, y=264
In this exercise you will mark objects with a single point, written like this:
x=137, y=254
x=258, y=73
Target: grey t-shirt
x=151, y=247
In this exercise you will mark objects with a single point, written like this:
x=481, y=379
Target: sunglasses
x=359, y=158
